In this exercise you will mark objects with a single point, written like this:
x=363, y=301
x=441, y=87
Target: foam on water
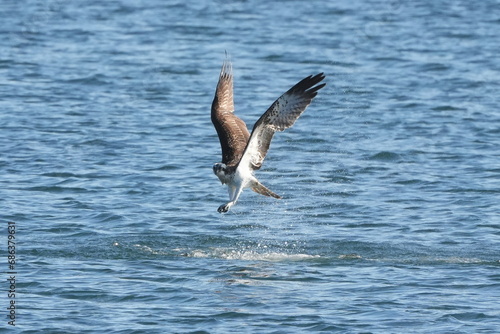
x=249, y=255
x=230, y=254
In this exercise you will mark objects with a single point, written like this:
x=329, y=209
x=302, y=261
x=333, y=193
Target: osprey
x=242, y=152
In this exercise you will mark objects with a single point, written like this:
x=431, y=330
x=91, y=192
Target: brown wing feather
x=232, y=131
x=281, y=115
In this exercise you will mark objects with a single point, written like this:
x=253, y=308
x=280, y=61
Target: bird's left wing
x=281, y=115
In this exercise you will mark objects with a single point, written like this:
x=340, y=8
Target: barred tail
x=259, y=188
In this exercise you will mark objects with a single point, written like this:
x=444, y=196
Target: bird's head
x=220, y=170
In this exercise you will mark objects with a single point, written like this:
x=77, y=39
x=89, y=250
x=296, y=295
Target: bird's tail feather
x=259, y=188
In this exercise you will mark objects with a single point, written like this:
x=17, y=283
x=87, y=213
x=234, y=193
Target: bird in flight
x=242, y=152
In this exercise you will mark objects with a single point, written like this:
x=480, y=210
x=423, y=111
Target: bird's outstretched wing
x=281, y=115
x=232, y=131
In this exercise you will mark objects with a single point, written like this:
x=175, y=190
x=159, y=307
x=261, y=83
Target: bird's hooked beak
x=215, y=168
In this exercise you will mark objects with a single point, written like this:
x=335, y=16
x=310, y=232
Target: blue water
x=390, y=221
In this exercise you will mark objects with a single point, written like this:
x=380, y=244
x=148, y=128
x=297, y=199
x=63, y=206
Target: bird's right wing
x=232, y=131
x=281, y=115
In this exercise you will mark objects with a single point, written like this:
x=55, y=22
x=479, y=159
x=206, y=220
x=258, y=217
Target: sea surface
x=390, y=217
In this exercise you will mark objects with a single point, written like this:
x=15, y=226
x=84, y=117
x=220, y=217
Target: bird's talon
x=223, y=208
